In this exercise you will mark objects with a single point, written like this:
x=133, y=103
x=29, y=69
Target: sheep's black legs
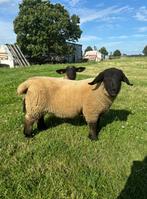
x=28, y=126
x=93, y=131
x=98, y=125
x=40, y=124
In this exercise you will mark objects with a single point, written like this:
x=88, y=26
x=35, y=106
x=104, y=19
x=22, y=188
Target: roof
x=92, y=53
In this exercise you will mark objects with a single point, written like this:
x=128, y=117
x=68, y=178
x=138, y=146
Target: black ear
x=80, y=69
x=98, y=79
x=61, y=71
x=125, y=79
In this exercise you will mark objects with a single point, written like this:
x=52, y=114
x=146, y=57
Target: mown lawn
x=61, y=162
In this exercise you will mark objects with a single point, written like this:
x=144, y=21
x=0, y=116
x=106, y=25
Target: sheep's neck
x=103, y=97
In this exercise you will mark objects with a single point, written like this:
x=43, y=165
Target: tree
x=43, y=29
x=89, y=48
x=145, y=51
x=95, y=48
x=117, y=53
x=103, y=51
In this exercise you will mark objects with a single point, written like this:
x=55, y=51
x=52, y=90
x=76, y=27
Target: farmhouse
x=11, y=56
x=93, y=55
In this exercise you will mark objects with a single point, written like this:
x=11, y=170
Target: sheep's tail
x=22, y=88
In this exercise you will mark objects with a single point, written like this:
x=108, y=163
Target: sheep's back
x=61, y=97
x=67, y=99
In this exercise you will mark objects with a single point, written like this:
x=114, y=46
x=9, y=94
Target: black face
x=112, y=84
x=70, y=71
x=112, y=79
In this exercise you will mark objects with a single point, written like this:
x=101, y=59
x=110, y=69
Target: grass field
x=61, y=162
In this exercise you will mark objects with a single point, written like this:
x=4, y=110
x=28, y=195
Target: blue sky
x=115, y=24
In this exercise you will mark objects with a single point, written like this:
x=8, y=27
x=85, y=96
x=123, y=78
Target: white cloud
x=141, y=15
x=7, y=34
x=124, y=48
x=89, y=38
x=71, y=3
x=142, y=29
x=139, y=35
x=87, y=15
x=11, y=2
x=74, y=2
x=9, y=7
x=4, y=1
x=119, y=37
x=112, y=44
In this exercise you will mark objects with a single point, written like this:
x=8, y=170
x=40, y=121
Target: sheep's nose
x=114, y=90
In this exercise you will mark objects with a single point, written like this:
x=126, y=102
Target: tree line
x=116, y=53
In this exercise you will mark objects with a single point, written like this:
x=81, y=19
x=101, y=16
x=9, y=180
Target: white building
x=6, y=57
x=11, y=56
x=93, y=55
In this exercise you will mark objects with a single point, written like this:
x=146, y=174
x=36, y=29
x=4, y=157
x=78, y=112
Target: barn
x=77, y=54
x=74, y=57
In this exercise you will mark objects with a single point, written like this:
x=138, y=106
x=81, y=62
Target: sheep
x=66, y=99
x=70, y=72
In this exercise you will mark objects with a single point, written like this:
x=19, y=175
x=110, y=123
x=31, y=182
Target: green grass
x=61, y=162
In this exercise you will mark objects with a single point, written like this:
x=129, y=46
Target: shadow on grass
x=108, y=118
x=136, y=185
x=114, y=115
x=53, y=121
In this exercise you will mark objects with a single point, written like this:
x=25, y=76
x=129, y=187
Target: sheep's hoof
x=92, y=137
x=28, y=135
